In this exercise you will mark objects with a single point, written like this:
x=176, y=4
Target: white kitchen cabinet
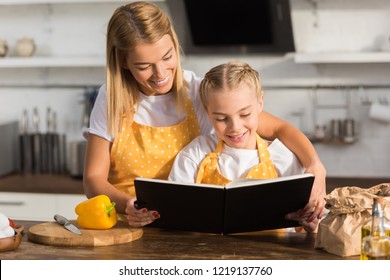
x=65, y=204
x=38, y=206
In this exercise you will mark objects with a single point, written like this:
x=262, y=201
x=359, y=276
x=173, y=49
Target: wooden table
x=164, y=245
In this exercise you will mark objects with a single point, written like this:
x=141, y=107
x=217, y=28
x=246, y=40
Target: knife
x=68, y=225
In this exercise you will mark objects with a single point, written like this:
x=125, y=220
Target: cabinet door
x=28, y=206
x=66, y=203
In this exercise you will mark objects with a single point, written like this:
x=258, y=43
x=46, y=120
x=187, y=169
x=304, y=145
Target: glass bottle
x=366, y=228
x=376, y=246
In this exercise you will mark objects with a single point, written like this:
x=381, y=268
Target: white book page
x=177, y=183
x=242, y=182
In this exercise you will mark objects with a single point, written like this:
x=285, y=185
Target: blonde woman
x=149, y=109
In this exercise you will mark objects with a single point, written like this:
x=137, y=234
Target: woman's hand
x=139, y=217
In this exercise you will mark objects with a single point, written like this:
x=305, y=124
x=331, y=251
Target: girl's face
x=235, y=115
x=153, y=66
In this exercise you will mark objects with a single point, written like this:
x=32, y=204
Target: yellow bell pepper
x=97, y=213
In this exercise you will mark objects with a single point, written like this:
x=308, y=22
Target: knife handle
x=60, y=219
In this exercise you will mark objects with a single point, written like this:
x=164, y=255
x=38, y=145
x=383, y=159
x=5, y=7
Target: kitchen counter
x=332, y=183
x=165, y=244
x=42, y=183
x=68, y=185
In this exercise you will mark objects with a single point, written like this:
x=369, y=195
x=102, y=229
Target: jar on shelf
x=3, y=48
x=25, y=47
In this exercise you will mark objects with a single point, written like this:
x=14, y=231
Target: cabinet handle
x=12, y=203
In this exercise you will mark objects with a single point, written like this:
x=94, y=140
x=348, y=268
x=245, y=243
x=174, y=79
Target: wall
x=348, y=25
x=291, y=89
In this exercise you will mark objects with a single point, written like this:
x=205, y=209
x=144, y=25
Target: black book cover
x=242, y=206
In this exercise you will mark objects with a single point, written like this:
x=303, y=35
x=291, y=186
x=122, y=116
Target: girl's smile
x=234, y=114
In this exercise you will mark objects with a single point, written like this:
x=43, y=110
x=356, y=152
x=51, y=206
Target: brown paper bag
x=339, y=232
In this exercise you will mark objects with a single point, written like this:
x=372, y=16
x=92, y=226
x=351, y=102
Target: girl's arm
x=271, y=127
x=95, y=181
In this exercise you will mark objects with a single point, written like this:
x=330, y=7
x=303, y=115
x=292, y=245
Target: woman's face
x=235, y=115
x=153, y=66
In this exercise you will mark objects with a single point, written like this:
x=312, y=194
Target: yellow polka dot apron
x=146, y=151
x=208, y=172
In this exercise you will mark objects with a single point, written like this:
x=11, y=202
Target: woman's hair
x=129, y=26
x=229, y=76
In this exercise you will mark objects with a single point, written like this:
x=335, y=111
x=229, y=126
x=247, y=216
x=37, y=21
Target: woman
x=149, y=109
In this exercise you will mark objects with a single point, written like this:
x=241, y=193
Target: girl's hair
x=229, y=76
x=130, y=25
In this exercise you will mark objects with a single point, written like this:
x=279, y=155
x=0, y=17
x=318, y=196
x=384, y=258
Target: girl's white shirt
x=232, y=163
x=156, y=111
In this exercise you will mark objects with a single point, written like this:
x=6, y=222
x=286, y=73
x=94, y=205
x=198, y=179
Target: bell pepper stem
x=110, y=208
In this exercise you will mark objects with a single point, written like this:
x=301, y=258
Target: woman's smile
x=161, y=83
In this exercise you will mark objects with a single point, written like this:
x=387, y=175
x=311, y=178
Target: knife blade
x=67, y=224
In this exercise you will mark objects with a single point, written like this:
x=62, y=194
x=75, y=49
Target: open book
x=241, y=206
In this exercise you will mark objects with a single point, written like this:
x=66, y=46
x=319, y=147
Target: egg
x=9, y=231
x=4, y=222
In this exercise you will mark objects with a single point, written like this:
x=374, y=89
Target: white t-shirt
x=156, y=111
x=232, y=163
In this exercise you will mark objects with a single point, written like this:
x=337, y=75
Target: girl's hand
x=139, y=217
x=309, y=227
x=316, y=205
x=306, y=224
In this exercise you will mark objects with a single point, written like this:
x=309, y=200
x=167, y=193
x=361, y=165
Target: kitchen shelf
x=343, y=57
x=40, y=62
x=30, y=2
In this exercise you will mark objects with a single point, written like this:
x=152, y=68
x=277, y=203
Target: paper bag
x=349, y=207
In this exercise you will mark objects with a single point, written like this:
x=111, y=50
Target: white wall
x=348, y=25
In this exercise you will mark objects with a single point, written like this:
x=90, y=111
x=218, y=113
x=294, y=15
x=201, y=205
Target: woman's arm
x=95, y=181
x=271, y=127
x=96, y=168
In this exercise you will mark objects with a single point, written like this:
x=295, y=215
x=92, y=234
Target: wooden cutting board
x=52, y=233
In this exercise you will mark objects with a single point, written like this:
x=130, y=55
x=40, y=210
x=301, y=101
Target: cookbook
x=241, y=206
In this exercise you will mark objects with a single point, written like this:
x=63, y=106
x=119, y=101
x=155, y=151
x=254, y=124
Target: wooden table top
x=164, y=244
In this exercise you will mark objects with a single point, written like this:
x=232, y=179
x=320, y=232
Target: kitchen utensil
x=36, y=141
x=25, y=145
x=77, y=154
x=49, y=141
x=336, y=130
x=349, y=130
x=45, y=143
x=50, y=233
x=56, y=146
x=9, y=160
x=66, y=223
x=380, y=112
x=63, y=167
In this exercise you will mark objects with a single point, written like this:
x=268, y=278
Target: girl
x=233, y=98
